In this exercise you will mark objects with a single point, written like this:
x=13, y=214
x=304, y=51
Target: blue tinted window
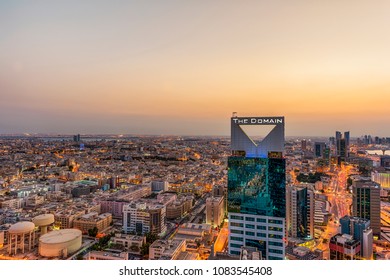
x=257, y=186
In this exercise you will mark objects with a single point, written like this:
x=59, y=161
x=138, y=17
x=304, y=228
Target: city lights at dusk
x=229, y=138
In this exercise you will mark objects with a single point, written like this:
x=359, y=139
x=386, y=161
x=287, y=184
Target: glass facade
x=257, y=186
x=354, y=226
x=302, y=223
x=363, y=203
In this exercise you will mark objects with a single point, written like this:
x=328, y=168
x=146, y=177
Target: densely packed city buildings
x=193, y=198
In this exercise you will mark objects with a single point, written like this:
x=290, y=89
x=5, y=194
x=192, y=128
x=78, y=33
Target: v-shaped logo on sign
x=256, y=133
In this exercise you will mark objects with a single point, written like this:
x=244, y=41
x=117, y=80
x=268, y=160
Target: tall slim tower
x=256, y=188
x=342, y=146
x=300, y=211
x=366, y=203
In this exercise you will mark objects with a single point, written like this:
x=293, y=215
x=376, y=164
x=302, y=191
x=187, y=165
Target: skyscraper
x=347, y=140
x=256, y=188
x=342, y=146
x=300, y=211
x=319, y=149
x=77, y=138
x=303, y=145
x=366, y=203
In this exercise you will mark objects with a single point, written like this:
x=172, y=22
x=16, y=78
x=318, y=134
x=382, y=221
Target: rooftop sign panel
x=272, y=143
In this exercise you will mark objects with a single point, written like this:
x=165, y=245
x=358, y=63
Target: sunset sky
x=182, y=67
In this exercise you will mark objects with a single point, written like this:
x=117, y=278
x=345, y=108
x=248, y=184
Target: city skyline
x=196, y=198
x=183, y=68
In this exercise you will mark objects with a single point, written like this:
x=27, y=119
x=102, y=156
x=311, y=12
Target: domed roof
x=21, y=227
x=61, y=236
x=43, y=220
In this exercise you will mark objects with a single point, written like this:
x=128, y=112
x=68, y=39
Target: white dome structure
x=60, y=243
x=18, y=233
x=21, y=227
x=43, y=221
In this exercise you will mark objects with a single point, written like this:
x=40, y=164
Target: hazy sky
x=182, y=67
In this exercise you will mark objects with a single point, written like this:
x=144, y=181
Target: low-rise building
x=64, y=218
x=215, y=211
x=180, y=207
x=166, y=249
x=11, y=203
x=344, y=247
x=113, y=206
x=92, y=220
x=143, y=217
x=303, y=253
x=106, y=255
x=132, y=243
x=193, y=230
x=34, y=200
x=159, y=186
x=114, y=203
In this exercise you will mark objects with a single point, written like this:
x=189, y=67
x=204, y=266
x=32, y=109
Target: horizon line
x=120, y=135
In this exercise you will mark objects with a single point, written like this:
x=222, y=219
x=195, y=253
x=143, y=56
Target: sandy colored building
x=92, y=220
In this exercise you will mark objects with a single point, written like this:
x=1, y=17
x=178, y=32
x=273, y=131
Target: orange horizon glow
x=184, y=67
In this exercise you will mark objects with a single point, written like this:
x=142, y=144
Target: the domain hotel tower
x=257, y=187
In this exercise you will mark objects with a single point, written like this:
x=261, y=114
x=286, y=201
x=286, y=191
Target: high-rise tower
x=342, y=146
x=366, y=203
x=256, y=188
x=300, y=211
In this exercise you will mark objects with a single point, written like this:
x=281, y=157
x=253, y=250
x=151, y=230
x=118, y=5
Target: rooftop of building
x=223, y=256
x=109, y=254
x=354, y=219
x=144, y=205
x=94, y=216
x=130, y=237
x=303, y=253
x=344, y=239
x=214, y=199
x=203, y=227
x=168, y=246
x=187, y=256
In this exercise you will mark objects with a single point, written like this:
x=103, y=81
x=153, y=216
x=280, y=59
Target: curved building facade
x=60, y=243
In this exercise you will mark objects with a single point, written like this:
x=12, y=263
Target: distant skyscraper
x=256, y=188
x=367, y=139
x=347, y=139
x=338, y=135
x=303, y=145
x=342, y=146
x=327, y=154
x=366, y=203
x=77, y=138
x=319, y=149
x=360, y=230
x=300, y=211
